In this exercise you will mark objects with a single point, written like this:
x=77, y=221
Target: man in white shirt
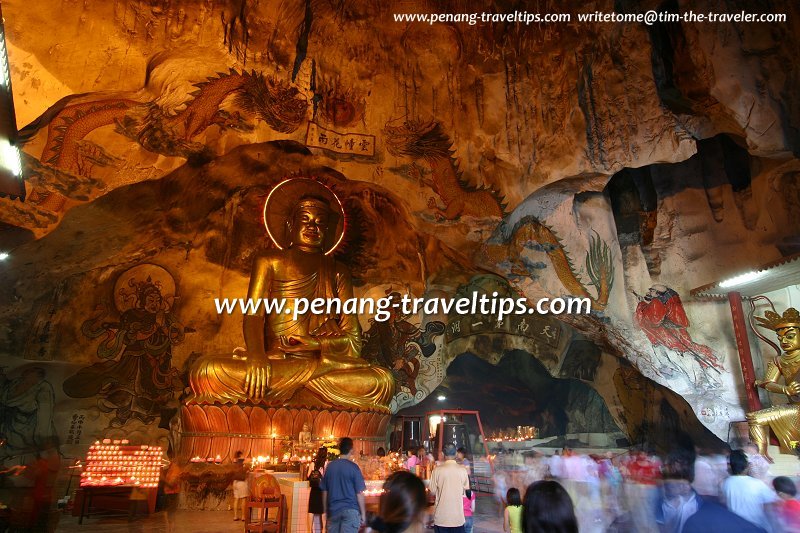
x=745, y=495
x=556, y=466
x=449, y=482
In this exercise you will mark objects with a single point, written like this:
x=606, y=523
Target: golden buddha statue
x=304, y=437
x=312, y=360
x=783, y=419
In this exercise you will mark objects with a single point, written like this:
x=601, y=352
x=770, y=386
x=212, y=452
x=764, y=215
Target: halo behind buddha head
x=284, y=198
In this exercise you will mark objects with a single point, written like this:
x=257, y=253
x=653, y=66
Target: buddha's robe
x=335, y=375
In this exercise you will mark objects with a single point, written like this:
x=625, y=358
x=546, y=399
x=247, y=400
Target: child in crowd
x=512, y=519
x=759, y=466
x=469, y=510
x=788, y=507
x=412, y=461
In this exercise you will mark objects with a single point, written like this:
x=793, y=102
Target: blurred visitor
x=469, y=510
x=788, y=507
x=316, y=507
x=745, y=495
x=240, y=489
x=548, y=509
x=402, y=505
x=172, y=489
x=709, y=516
x=461, y=458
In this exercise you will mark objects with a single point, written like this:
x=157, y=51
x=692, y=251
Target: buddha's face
x=789, y=338
x=309, y=225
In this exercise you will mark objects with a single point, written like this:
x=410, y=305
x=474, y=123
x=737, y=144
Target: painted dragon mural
x=531, y=233
x=273, y=101
x=428, y=141
x=70, y=125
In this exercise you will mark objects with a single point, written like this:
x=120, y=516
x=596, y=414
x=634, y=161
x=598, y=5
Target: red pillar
x=745, y=356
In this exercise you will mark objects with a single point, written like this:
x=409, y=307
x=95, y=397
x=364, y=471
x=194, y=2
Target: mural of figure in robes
x=661, y=317
x=26, y=413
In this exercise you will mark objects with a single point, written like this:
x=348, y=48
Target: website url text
x=650, y=17
x=381, y=308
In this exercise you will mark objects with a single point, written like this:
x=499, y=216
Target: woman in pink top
x=412, y=461
x=469, y=510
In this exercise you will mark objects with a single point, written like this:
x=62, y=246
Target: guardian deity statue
x=784, y=420
x=311, y=361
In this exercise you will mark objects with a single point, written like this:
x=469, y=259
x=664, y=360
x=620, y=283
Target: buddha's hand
x=329, y=328
x=792, y=389
x=299, y=343
x=256, y=381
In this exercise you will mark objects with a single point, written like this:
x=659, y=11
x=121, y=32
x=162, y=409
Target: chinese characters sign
x=537, y=327
x=75, y=429
x=341, y=143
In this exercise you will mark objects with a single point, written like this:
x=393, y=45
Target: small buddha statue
x=782, y=419
x=304, y=437
x=315, y=359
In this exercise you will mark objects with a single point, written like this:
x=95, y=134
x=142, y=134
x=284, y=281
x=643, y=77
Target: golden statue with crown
x=784, y=420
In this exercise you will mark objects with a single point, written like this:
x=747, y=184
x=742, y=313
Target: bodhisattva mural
x=135, y=378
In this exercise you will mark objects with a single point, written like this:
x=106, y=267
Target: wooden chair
x=257, y=510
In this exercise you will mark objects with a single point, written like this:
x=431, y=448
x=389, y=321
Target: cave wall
x=466, y=158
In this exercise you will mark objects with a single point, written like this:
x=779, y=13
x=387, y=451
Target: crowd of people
x=640, y=492
x=683, y=492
